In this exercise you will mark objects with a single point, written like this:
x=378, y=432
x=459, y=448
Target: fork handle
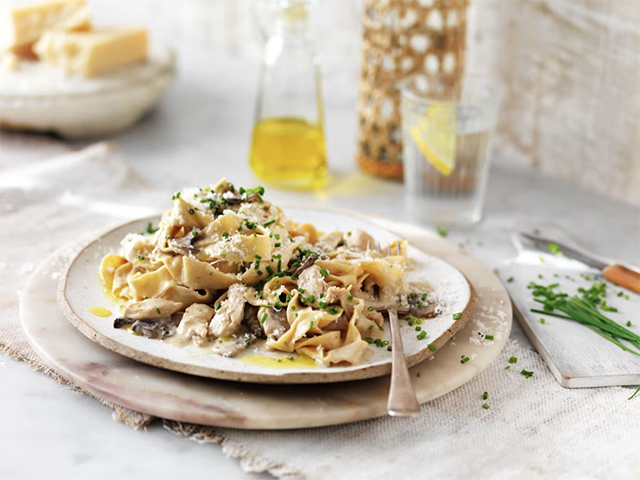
x=402, y=397
x=623, y=276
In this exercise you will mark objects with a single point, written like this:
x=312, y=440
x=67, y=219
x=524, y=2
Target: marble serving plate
x=188, y=398
x=81, y=290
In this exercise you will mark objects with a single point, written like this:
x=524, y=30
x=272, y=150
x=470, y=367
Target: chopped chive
x=225, y=234
x=442, y=232
x=418, y=374
x=526, y=373
x=264, y=317
x=456, y=316
x=488, y=337
x=422, y=335
x=510, y=279
x=485, y=395
x=324, y=272
x=464, y=359
x=432, y=347
x=485, y=406
x=270, y=222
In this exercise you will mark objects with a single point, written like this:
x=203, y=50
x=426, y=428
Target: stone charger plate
x=81, y=289
x=187, y=398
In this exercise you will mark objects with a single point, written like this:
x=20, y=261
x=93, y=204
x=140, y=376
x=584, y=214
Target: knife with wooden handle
x=621, y=275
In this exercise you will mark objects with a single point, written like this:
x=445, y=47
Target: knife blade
x=574, y=253
x=619, y=274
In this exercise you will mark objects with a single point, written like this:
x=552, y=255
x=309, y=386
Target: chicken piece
x=151, y=308
x=194, y=325
x=228, y=317
x=275, y=322
x=312, y=281
x=359, y=240
x=330, y=241
x=334, y=294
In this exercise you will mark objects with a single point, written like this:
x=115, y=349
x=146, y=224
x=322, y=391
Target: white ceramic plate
x=39, y=97
x=80, y=289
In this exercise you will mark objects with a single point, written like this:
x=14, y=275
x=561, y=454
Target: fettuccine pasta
x=226, y=268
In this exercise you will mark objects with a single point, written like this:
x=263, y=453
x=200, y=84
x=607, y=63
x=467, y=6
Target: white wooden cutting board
x=577, y=356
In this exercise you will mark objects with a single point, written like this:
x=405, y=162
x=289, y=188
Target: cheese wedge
x=23, y=26
x=89, y=54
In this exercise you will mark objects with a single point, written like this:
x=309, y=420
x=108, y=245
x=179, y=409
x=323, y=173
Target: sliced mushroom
x=340, y=324
x=250, y=320
x=151, y=308
x=228, y=317
x=236, y=199
x=275, y=323
x=302, y=265
x=150, y=327
x=184, y=245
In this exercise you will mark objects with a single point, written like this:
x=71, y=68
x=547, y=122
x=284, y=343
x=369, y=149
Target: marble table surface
x=201, y=130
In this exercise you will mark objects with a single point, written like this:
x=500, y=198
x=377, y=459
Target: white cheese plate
x=39, y=97
x=80, y=290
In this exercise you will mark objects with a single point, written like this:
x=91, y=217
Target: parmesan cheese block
x=89, y=54
x=23, y=26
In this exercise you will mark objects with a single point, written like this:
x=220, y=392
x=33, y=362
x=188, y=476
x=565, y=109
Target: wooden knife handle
x=623, y=276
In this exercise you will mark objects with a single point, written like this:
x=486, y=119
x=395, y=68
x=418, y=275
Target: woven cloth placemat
x=533, y=429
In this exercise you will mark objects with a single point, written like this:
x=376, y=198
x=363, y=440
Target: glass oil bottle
x=288, y=145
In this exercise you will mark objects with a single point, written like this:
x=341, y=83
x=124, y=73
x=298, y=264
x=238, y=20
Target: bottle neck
x=292, y=20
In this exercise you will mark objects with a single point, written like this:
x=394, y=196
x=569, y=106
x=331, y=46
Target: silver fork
x=402, y=397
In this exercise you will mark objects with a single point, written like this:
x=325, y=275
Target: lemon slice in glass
x=435, y=136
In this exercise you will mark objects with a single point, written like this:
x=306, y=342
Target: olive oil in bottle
x=288, y=145
x=289, y=151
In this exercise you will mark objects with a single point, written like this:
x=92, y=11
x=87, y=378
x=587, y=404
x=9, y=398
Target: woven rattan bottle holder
x=402, y=38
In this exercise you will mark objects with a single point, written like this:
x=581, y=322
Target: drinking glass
x=447, y=130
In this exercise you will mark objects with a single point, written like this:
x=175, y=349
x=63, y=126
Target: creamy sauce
x=100, y=312
x=301, y=361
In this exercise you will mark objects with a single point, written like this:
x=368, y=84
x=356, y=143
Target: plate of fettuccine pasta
x=227, y=285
